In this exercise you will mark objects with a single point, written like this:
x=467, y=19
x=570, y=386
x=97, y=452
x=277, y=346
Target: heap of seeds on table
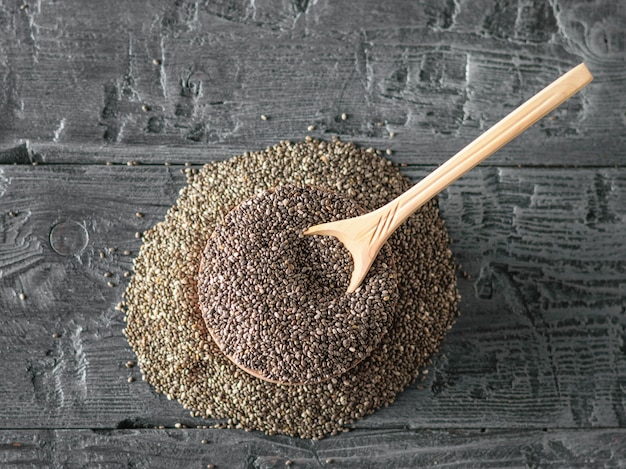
x=175, y=350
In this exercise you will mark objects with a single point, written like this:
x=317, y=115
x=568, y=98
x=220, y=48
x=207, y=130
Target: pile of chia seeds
x=275, y=300
x=175, y=350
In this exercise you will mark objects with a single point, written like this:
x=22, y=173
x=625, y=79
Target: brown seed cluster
x=175, y=351
x=275, y=300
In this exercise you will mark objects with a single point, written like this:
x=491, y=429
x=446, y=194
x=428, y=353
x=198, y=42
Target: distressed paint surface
x=537, y=321
x=534, y=372
x=193, y=75
x=359, y=449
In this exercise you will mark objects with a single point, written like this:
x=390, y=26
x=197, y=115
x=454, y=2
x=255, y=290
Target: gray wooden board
x=538, y=229
x=540, y=342
x=74, y=78
x=360, y=449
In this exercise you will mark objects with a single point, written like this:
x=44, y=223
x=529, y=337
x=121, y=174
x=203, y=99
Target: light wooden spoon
x=363, y=236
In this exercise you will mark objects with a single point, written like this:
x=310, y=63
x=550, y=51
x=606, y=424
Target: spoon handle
x=548, y=99
x=363, y=236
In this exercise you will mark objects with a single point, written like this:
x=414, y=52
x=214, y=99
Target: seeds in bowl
x=275, y=300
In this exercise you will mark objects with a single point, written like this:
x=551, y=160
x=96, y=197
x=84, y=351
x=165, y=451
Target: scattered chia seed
x=175, y=351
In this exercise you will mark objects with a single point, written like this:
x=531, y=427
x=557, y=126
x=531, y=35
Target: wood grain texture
x=198, y=75
x=534, y=372
x=360, y=449
x=542, y=313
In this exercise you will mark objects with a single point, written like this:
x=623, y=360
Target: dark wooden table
x=96, y=96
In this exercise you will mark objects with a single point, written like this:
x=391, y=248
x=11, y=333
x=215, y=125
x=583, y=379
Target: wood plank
x=81, y=376
x=534, y=372
x=434, y=73
x=359, y=449
x=539, y=343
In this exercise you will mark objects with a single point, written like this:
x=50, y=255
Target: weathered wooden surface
x=534, y=372
x=361, y=449
x=540, y=343
x=437, y=73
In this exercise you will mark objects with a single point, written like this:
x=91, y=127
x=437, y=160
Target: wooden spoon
x=363, y=236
